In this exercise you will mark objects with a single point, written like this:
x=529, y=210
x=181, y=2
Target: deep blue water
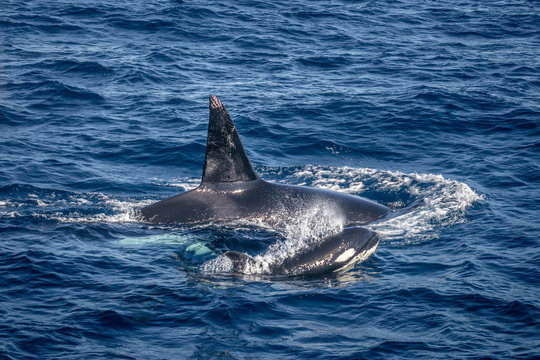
x=429, y=107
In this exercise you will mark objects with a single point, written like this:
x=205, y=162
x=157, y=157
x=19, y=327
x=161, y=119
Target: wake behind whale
x=231, y=190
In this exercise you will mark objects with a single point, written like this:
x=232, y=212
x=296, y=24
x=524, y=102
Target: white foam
x=11, y=214
x=111, y=210
x=433, y=204
x=343, y=179
x=439, y=203
x=310, y=224
x=74, y=207
x=218, y=265
x=184, y=183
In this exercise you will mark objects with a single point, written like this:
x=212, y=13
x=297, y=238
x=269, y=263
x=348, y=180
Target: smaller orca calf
x=333, y=253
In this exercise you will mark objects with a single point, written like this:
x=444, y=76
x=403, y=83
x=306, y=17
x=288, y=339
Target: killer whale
x=333, y=253
x=231, y=190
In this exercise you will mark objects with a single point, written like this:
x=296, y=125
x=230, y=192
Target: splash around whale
x=231, y=190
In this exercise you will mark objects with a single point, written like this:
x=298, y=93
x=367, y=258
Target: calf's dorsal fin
x=225, y=160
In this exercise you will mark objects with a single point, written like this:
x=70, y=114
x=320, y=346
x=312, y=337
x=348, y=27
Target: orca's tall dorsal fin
x=225, y=160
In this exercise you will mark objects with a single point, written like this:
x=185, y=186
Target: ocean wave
x=424, y=204
x=53, y=93
x=67, y=207
x=72, y=66
x=104, y=110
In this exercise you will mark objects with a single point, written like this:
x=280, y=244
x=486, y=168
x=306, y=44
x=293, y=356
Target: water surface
x=431, y=108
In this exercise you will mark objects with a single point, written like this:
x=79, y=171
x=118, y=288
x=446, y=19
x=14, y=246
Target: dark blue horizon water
x=431, y=108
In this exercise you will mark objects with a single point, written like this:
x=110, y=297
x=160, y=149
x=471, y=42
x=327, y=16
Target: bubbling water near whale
x=424, y=205
x=307, y=229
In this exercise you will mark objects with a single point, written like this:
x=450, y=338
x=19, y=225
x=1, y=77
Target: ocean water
x=429, y=107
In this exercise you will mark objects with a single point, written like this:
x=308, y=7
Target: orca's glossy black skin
x=258, y=200
x=231, y=190
x=332, y=253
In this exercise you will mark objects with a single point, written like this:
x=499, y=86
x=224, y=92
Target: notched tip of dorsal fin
x=219, y=116
x=225, y=160
x=215, y=103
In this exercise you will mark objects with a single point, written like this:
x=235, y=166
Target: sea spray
x=423, y=204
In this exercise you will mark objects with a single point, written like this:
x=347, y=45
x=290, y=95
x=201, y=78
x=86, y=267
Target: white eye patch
x=346, y=255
